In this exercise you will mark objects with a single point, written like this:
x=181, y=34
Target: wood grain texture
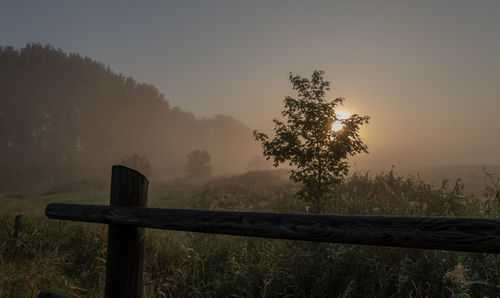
x=461, y=234
x=125, y=254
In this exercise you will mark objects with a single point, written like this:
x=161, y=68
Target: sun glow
x=338, y=125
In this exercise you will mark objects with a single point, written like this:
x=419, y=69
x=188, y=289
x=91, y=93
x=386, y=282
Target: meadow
x=69, y=258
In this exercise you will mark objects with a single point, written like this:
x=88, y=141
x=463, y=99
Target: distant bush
x=198, y=165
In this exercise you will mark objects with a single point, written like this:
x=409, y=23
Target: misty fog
x=66, y=118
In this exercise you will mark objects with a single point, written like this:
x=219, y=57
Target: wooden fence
x=127, y=216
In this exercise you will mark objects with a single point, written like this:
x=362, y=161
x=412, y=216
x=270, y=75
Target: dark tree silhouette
x=64, y=117
x=198, y=165
x=308, y=141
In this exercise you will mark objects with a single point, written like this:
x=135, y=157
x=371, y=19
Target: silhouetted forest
x=64, y=117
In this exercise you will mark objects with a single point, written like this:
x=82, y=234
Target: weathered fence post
x=125, y=253
x=17, y=226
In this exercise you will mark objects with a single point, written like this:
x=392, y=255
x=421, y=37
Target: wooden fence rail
x=462, y=234
x=127, y=216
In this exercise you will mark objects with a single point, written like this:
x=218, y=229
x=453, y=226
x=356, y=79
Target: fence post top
x=129, y=171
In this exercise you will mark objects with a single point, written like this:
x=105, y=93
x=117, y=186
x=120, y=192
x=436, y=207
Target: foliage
x=198, y=165
x=306, y=139
x=139, y=163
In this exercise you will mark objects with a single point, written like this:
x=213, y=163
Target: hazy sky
x=427, y=72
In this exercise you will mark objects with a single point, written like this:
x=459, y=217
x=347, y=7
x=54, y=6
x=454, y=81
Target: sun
x=338, y=125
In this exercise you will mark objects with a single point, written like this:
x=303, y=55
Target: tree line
x=65, y=117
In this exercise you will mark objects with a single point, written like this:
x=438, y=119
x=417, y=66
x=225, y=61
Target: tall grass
x=70, y=258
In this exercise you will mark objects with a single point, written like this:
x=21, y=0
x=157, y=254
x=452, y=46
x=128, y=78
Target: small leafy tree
x=198, y=165
x=138, y=162
x=314, y=139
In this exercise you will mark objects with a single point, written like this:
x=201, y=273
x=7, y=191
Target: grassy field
x=475, y=179
x=69, y=258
